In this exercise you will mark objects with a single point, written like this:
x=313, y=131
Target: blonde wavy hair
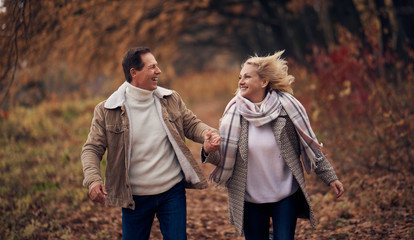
x=274, y=69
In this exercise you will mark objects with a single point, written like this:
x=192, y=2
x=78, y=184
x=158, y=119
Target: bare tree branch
x=17, y=26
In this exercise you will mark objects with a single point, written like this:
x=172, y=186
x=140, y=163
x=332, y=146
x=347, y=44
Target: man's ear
x=133, y=72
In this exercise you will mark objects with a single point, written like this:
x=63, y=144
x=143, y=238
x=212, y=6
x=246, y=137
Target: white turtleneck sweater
x=154, y=167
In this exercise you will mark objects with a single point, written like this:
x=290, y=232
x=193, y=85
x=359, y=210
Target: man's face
x=147, y=78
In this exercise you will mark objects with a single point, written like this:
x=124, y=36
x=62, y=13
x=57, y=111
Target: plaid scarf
x=268, y=111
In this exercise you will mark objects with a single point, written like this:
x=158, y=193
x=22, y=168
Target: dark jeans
x=170, y=209
x=284, y=216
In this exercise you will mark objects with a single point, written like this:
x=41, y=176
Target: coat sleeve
x=213, y=157
x=325, y=171
x=94, y=148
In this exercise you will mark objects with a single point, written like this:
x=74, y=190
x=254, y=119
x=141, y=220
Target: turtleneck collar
x=259, y=103
x=138, y=94
x=117, y=98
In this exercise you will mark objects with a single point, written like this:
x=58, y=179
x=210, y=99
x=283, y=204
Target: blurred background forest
x=354, y=72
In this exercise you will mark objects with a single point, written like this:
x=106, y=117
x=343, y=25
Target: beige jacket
x=287, y=139
x=110, y=132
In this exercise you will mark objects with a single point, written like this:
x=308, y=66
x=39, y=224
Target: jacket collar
x=117, y=99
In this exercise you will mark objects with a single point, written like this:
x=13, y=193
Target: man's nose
x=158, y=70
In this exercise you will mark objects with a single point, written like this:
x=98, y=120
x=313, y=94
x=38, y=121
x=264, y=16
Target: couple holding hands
x=263, y=145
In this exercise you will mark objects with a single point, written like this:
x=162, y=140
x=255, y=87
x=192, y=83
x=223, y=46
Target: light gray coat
x=287, y=138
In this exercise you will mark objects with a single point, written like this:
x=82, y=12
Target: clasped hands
x=212, y=141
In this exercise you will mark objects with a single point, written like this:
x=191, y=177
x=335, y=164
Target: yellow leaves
x=34, y=226
x=400, y=123
x=315, y=114
x=387, y=114
x=346, y=91
x=197, y=4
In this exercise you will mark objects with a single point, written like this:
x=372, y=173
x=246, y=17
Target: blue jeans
x=284, y=216
x=169, y=207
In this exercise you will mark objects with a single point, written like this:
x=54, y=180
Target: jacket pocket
x=115, y=135
x=177, y=121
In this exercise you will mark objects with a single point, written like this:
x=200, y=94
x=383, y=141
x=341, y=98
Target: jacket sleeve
x=193, y=127
x=94, y=148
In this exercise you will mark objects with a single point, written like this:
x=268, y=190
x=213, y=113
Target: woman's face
x=251, y=86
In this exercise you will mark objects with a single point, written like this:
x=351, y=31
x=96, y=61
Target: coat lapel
x=243, y=141
x=278, y=127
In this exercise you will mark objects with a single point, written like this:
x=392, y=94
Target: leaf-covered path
x=373, y=207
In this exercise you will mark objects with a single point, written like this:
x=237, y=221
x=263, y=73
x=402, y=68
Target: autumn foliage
x=355, y=80
x=366, y=99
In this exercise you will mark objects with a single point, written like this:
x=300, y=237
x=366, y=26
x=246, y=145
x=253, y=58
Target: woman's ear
x=265, y=83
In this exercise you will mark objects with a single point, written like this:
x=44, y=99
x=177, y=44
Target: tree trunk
x=404, y=13
x=321, y=8
x=276, y=10
x=387, y=37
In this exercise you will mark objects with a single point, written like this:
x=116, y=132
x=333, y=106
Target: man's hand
x=97, y=192
x=212, y=141
x=337, y=187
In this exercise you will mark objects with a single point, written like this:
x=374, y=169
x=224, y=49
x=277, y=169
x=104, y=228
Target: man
x=143, y=128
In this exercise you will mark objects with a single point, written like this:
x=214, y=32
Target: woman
x=264, y=133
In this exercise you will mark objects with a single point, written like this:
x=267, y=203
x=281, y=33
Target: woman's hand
x=212, y=141
x=337, y=187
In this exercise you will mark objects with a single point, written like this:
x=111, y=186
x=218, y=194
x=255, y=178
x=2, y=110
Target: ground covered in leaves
x=373, y=208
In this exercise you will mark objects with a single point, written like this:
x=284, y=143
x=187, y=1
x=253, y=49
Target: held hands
x=97, y=193
x=337, y=187
x=212, y=141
